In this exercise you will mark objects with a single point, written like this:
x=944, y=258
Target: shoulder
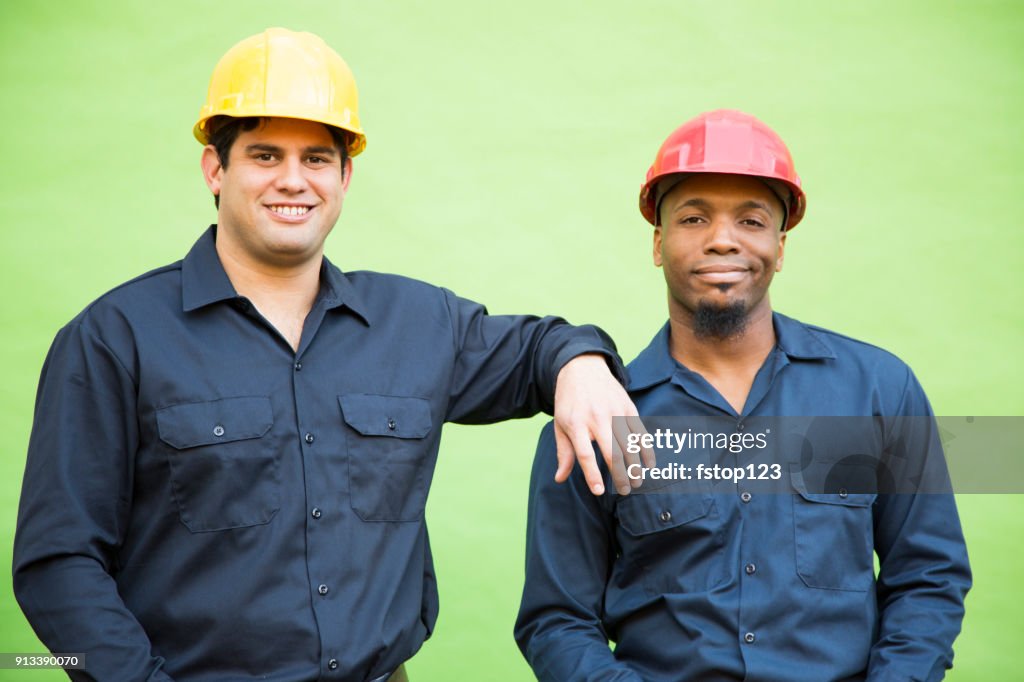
x=131, y=302
x=850, y=349
x=874, y=371
x=368, y=281
x=407, y=301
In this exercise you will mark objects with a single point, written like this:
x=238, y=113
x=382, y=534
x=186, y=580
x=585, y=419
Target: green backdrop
x=507, y=142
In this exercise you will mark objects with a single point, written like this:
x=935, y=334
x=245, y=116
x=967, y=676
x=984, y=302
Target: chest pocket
x=224, y=471
x=834, y=540
x=389, y=458
x=673, y=542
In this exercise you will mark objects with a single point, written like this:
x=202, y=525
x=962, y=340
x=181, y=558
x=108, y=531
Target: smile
x=721, y=274
x=289, y=210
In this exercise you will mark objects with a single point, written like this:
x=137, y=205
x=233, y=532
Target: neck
x=714, y=356
x=273, y=287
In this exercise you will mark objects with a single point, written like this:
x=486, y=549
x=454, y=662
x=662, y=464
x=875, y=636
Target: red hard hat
x=724, y=141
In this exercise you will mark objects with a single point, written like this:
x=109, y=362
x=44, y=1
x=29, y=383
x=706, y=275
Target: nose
x=291, y=177
x=721, y=237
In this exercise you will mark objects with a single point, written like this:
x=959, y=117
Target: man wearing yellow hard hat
x=231, y=454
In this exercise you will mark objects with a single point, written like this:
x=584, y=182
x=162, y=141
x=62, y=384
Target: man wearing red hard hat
x=231, y=454
x=726, y=569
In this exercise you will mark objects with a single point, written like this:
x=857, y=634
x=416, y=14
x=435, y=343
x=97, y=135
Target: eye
x=316, y=160
x=690, y=220
x=265, y=157
x=752, y=222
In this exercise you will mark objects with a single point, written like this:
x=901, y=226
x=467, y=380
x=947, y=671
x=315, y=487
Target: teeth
x=290, y=210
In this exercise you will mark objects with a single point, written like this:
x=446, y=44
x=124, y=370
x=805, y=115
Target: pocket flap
x=190, y=425
x=641, y=514
x=386, y=415
x=840, y=498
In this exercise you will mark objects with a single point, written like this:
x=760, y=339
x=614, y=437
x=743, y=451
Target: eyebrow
x=274, y=149
x=753, y=203
x=701, y=203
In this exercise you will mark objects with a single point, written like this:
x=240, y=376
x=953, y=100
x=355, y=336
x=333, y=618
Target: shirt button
x=749, y=638
x=740, y=426
x=843, y=494
x=309, y=438
x=750, y=569
x=316, y=513
x=298, y=366
x=391, y=423
x=218, y=430
x=332, y=664
x=665, y=516
x=745, y=496
x=323, y=589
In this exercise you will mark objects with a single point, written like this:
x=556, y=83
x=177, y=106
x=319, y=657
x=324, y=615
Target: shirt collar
x=203, y=280
x=655, y=363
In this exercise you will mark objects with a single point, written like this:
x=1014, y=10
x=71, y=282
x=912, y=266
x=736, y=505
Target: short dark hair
x=222, y=131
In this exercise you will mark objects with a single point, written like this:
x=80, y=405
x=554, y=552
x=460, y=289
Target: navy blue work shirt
x=203, y=502
x=743, y=586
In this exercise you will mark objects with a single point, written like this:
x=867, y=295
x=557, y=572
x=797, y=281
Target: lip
x=717, y=274
x=291, y=219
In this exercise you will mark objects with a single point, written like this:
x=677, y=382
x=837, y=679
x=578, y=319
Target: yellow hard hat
x=287, y=74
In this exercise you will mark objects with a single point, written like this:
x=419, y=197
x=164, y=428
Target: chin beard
x=719, y=321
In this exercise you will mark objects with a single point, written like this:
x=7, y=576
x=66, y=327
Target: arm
x=506, y=367
x=74, y=510
x=924, y=572
x=569, y=557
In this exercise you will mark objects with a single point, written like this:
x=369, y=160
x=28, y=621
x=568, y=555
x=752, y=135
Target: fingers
x=613, y=454
x=588, y=460
x=634, y=425
x=565, y=453
x=625, y=457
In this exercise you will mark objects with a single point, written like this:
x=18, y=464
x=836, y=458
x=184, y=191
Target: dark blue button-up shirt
x=746, y=586
x=201, y=501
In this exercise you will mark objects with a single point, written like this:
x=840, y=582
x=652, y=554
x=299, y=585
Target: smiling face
x=720, y=244
x=280, y=192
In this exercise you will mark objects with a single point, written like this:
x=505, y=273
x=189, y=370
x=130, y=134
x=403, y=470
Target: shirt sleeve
x=74, y=509
x=924, y=573
x=506, y=365
x=569, y=556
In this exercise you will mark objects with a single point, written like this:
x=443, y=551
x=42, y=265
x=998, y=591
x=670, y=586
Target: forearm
x=506, y=366
x=923, y=579
x=562, y=646
x=73, y=606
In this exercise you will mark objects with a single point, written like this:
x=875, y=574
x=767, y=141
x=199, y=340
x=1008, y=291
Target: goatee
x=719, y=322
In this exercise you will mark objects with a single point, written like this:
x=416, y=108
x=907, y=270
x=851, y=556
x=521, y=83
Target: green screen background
x=507, y=142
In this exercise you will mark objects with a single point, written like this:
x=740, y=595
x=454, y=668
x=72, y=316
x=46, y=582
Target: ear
x=347, y=174
x=212, y=170
x=657, y=247
x=782, y=251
